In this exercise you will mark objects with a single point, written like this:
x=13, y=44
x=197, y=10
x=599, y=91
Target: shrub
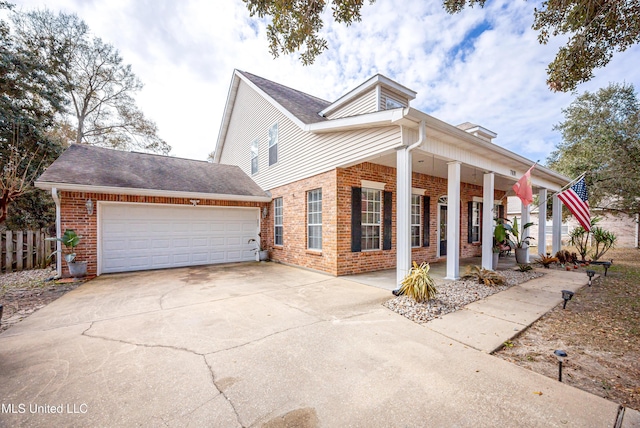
x=483, y=276
x=418, y=284
x=524, y=267
x=604, y=240
x=545, y=261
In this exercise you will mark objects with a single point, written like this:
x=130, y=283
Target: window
x=415, y=220
x=476, y=215
x=391, y=104
x=371, y=215
x=277, y=221
x=273, y=144
x=314, y=219
x=254, y=157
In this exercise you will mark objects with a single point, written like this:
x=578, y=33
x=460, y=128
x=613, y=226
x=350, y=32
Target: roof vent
x=478, y=131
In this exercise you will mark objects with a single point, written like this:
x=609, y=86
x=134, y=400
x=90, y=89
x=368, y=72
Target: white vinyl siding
x=416, y=223
x=387, y=94
x=314, y=219
x=254, y=157
x=300, y=154
x=371, y=236
x=365, y=103
x=278, y=227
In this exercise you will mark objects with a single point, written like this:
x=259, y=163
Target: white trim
x=56, y=199
x=378, y=80
x=375, y=185
x=150, y=192
x=99, y=214
x=417, y=191
x=477, y=199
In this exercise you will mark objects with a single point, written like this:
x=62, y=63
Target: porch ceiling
x=426, y=163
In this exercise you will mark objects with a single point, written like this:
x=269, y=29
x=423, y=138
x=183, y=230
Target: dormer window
x=391, y=104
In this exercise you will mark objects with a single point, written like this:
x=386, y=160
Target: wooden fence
x=25, y=250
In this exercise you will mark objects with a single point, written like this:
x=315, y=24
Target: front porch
x=387, y=279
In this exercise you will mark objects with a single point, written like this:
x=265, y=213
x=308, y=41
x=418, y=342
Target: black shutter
x=501, y=211
x=426, y=225
x=386, y=220
x=470, y=222
x=356, y=219
x=481, y=215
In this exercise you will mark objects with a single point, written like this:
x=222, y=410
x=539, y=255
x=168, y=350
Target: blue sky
x=483, y=65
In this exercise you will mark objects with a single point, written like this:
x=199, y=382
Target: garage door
x=140, y=237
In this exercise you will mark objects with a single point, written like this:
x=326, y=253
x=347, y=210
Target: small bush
x=524, y=267
x=418, y=284
x=483, y=276
x=545, y=261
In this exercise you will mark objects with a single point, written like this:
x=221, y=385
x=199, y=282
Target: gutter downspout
x=56, y=199
x=403, y=206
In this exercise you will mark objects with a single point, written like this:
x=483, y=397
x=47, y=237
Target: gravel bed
x=453, y=296
x=24, y=278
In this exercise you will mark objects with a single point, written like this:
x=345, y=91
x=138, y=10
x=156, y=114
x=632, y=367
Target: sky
x=483, y=65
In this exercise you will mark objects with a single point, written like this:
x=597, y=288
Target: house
x=366, y=182
x=362, y=183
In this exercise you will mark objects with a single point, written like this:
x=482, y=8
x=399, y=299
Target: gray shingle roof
x=95, y=166
x=303, y=106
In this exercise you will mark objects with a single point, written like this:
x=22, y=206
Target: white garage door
x=140, y=237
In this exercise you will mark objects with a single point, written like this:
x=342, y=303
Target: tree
x=601, y=135
x=30, y=99
x=596, y=30
x=98, y=85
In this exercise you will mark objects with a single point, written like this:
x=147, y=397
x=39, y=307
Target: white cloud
x=185, y=53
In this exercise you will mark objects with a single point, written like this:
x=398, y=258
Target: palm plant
x=418, y=284
x=483, y=276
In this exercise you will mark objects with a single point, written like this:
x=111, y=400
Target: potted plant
x=520, y=243
x=70, y=239
x=261, y=251
x=499, y=236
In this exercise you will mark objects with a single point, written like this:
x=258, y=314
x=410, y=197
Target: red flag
x=523, y=188
x=575, y=198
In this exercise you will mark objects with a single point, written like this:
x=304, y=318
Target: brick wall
x=357, y=262
x=74, y=216
x=336, y=256
x=294, y=205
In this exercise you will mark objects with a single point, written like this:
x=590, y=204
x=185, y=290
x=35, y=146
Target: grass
x=600, y=330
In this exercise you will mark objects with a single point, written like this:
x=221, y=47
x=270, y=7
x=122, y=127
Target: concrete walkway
x=254, y=345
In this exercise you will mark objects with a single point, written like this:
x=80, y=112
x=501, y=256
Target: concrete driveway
x=260, y=344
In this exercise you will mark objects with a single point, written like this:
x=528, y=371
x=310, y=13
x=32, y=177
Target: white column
x=526, y=218
x=487, y=220
x=403, y=213
x=542, y=222
x=453, y=221
x=556, y=234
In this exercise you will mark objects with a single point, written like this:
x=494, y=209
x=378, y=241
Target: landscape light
x=590, y=274
x=560, y=355
x=566, y=295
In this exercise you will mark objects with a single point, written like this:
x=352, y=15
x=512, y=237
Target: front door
x=443, y=230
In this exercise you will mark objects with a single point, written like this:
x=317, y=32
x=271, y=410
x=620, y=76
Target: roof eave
x=226, y=117
x=46, y=185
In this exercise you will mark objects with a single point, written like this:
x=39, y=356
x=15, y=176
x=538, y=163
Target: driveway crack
x=213, y=381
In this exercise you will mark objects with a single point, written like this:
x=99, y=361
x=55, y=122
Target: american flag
x=576, y=200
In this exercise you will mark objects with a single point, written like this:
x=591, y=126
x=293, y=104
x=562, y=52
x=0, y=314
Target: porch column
x=556, y=234
x=453, y=221
x=542, y=222
x=403, y=213
x=526, y=218
x=487, y=220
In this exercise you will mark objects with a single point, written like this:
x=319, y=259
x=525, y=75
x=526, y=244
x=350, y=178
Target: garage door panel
x=139, y=237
